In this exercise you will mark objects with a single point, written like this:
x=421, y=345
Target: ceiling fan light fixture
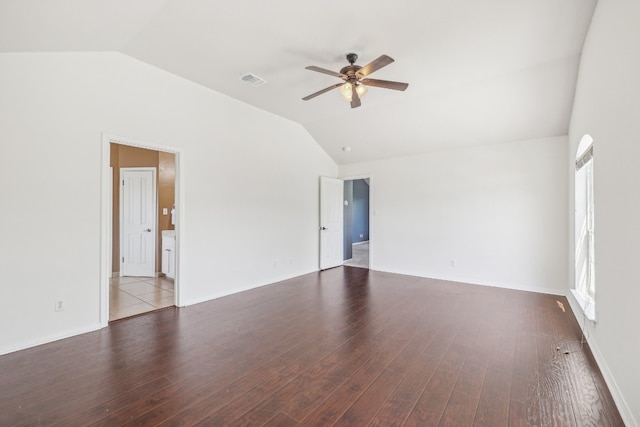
x=346, y=91
x=355, y=77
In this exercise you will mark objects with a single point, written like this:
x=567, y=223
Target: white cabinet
x=169, y=253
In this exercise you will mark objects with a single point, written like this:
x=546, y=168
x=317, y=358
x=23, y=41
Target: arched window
x=585, y=289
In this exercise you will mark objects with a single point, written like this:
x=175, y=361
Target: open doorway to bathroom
x=356, y=222
x=142, y=273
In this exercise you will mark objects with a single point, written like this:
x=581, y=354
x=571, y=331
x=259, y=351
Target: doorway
x=356, y=222
x=139, y=221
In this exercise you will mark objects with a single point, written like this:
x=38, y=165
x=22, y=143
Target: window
x=585, y=290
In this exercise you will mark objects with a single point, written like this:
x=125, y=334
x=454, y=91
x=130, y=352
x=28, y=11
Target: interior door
x=331, y=226
x=137, y=222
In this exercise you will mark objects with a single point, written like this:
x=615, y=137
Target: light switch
x=165, y=211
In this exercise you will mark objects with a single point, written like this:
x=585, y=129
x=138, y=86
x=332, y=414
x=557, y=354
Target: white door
x=137, y=221
x=331, y=226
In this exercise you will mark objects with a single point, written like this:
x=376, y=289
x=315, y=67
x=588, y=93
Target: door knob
x=148, y=230
x=323, y=228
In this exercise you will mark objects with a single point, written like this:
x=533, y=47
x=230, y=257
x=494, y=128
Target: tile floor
x=129, y=296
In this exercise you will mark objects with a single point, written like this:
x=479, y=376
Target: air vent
x=252, y=79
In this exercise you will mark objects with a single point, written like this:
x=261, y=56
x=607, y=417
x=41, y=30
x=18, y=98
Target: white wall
x=250, y=186
x=607, y=106
x=499, y=211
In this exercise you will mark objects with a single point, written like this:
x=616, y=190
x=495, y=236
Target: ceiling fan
x=354, y=83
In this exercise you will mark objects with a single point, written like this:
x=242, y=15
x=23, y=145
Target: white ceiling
x=479, y=71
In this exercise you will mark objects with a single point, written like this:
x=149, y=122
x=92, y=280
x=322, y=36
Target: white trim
x=354, y=177
x=48, y=339
x=618, y=397
x=363, y=242
x=473, y=282
x=106, y=238
x=588, y=308
x=105, y=226
x=110, y=219
x=260, y=284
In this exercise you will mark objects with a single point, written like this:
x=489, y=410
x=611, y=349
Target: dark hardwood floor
x=346, y=346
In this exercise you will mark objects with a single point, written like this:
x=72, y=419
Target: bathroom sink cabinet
x=169, y=254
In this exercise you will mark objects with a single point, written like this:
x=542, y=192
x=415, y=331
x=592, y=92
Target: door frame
x=372, y=211
x=154, y=171
x=106, y=204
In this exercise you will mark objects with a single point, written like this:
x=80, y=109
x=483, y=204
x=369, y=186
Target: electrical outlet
x=59, y=305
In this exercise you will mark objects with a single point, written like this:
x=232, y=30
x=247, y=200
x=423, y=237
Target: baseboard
x=48, y=339
x=541, y=290
x=71, y=333
x=618, y=398
x=244, y=288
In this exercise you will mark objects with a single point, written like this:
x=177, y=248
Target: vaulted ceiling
x=479, y=71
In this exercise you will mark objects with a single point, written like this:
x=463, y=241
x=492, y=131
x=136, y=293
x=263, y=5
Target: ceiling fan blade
x=320, y=92
x=325, y=71
x=385, y=84
x=355, y=98
x=382, y=61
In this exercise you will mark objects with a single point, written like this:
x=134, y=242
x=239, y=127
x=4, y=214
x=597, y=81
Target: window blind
x=586, y=156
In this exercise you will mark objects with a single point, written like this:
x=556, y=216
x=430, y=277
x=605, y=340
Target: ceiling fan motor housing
x=351, y=70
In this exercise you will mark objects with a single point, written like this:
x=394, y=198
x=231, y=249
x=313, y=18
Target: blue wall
x=360, y=215
x=348, y=219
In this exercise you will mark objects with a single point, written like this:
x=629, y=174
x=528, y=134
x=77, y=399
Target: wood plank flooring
x=344, y=347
